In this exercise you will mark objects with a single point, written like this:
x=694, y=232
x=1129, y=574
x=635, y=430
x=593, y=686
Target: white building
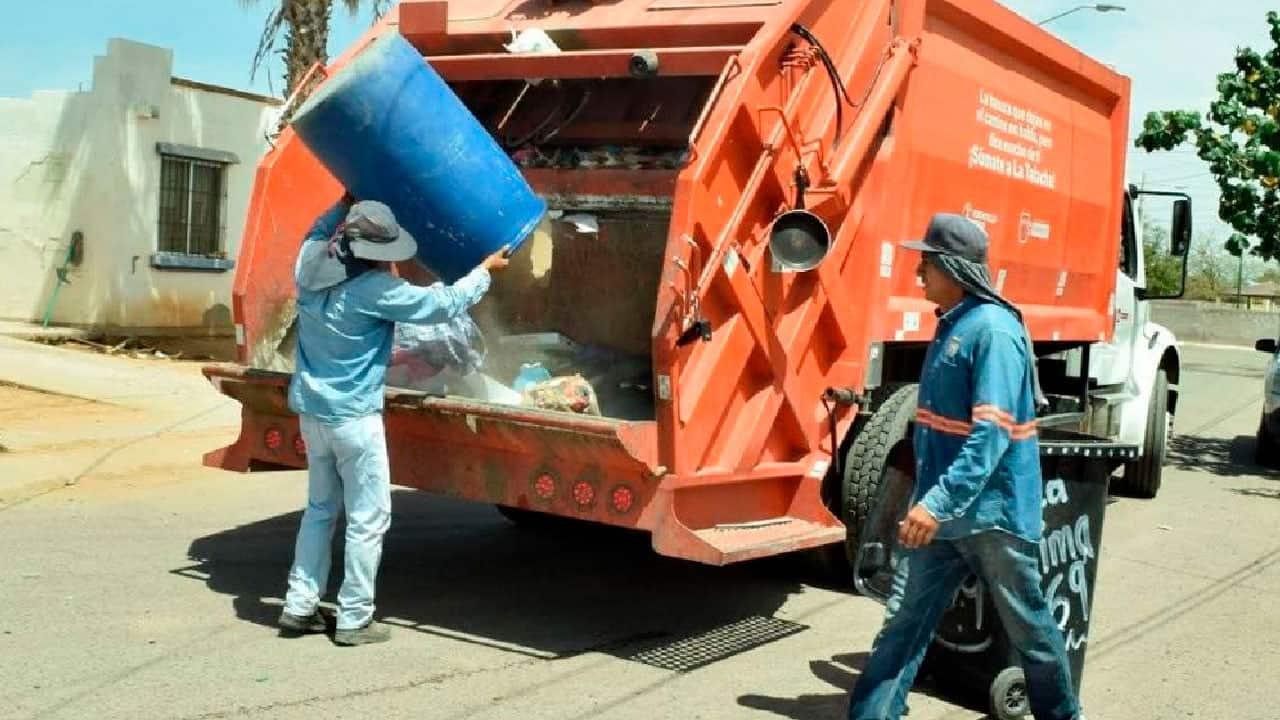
x=151, y=173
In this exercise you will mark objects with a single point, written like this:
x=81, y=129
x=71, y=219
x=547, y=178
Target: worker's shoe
x=367, y=634
x=308, y=625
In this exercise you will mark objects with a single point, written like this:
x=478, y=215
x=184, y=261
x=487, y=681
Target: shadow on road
x=1269, y=493
x=1225, y=457
x=459, y=570
x=841, y=672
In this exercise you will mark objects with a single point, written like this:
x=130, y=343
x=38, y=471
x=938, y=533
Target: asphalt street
x=148, y=588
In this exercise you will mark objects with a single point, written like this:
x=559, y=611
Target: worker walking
x=348, y=304
x=977, y=502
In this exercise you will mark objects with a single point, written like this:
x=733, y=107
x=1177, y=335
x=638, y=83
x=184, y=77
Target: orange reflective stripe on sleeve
x=942, y=424
x=1004, y=420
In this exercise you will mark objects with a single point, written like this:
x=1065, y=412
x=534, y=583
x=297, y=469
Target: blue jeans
x=924, y=585
x=347, y=468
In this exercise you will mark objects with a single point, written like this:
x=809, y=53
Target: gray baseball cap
x=955, y=235
x=374, y=234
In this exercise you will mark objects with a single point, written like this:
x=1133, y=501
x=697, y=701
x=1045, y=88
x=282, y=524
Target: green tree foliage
x=1240, y=140
x=1164, y=272
x=1270, y=275
x=1212, y=274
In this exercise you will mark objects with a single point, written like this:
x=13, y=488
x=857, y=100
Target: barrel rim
x=337, y=81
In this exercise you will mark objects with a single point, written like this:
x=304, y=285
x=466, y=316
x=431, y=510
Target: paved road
x=149, y=591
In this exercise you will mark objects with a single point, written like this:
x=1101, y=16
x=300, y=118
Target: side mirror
x=1180, y=234
x=1266, y=345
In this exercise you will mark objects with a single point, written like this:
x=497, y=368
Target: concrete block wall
x=1213, y=323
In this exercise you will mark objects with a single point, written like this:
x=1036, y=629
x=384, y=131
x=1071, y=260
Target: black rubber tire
x=869, y=457
x=1142, y=477
x=1008, y=695
x=851, y=494
x=1265, y=452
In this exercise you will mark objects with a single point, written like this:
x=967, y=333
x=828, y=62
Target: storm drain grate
x=715, y=645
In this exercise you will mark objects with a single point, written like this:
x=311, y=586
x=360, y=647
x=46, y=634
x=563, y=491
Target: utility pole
x=1240, y=281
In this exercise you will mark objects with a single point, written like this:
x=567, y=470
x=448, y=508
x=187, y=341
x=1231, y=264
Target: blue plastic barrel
x=390, y=129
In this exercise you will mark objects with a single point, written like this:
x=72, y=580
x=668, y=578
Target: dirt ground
x=146, y=411
x=211, y=349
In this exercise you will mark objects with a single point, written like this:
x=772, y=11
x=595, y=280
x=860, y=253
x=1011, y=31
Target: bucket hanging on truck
x=390, y=129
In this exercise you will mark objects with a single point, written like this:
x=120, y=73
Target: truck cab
x=1134, y=377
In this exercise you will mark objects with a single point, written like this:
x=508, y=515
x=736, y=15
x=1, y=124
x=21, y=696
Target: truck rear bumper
x=589, y=468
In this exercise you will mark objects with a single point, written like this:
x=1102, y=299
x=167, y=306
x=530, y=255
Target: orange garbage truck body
x=686, y=132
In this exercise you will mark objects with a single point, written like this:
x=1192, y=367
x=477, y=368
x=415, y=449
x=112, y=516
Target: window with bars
x=191, y=205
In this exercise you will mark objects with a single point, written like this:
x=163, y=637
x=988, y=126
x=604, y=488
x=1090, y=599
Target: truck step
x=771, y=536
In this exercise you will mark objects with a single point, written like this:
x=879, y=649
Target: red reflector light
x=299, y=445
x=544, y=486
x=622, y=498
x=273, y=438
x=583, y=493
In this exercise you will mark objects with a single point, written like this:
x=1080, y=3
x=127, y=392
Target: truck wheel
x=1009, y=700
x=1142, y=476
x=1265, y=451
x=883, y=443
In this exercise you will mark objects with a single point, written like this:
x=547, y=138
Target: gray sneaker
x=368, y=634
x=309, y=625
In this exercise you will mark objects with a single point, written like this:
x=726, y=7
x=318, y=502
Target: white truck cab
x=1134, y=377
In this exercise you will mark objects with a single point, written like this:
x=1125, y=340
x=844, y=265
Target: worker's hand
x=498, y=260
x=917, y=528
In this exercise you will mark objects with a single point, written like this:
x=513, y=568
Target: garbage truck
x=728, y=184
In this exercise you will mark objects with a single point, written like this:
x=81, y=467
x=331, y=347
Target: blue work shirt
x=977, y=455
x=345, y=326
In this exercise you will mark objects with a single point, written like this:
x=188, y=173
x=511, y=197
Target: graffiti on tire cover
x=1065, y=555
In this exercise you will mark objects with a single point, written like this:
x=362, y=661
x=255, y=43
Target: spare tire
x=883, y=444
x=881, y=441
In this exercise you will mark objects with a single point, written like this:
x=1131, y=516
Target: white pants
x=348, y=469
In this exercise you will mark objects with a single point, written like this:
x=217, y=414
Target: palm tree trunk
x=307, y=39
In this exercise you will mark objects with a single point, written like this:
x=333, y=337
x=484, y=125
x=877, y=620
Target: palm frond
x=379, y=7
x=298, y=31
x=270, y=32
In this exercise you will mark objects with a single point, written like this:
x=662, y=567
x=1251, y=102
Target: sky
x=50, y=44
x=1171, y=49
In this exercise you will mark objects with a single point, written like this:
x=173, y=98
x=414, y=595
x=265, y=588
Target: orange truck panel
x=954, y=105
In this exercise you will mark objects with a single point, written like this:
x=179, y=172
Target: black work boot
x=308, y=625
x=367, y=634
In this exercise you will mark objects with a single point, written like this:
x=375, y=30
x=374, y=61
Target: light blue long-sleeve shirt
x=977, y=452
x=346, y=325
